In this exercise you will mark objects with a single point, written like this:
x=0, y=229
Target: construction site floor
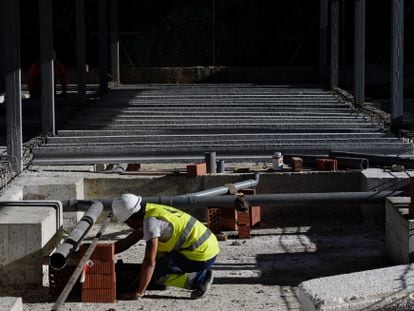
x=261, y=273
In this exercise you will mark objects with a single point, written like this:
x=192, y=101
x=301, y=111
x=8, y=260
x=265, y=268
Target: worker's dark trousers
x=176, y=263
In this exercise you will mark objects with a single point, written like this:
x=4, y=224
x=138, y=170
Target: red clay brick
x=255, y=215
x=133, y=167
x=213, y=219
x=99, y=295
x=296, y=164
x=102, y=267
x=228, y=219
x=103, y=251
x=244, y=232
x=320, y=164
x=196, y=169
x=243, y=218
x=98, y=281
x=331, y=165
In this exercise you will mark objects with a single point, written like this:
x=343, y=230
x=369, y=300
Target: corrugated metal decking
x=239, y=121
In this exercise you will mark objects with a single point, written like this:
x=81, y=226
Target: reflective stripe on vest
x=190, y=237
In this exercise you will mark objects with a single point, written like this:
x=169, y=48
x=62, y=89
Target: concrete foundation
x=11, y=304
x=29, y=232
x=399, y=230
x=379, y=289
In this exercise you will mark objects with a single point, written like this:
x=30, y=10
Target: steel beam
x=81, y=50
x=46, y=66
x=116, y=76
x=11, y=19
x=103, y=45
x=397, y=63
x=323, y=40
x=334, y=44
x=359, y=51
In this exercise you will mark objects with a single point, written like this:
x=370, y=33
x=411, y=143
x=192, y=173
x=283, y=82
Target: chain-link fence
x=218, y=32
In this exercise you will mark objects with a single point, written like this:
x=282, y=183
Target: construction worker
x=179, y=251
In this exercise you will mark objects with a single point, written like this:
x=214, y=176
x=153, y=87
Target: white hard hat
x=124, y=206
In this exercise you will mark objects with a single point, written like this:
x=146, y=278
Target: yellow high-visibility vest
x=190, y=237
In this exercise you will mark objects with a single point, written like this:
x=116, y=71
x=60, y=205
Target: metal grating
x=158, y=123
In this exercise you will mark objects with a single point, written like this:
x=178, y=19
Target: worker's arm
x=131, y=239
x=148, y=266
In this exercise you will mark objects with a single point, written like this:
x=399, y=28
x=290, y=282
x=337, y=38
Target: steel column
x=116, y=77
x=2, y=49
x=397, y=63
x=213, y=32
x=103, y=45
x=323, y=40
x=334, y=43
x=80, y=50
x=359, y=51
x=46, y=66
x=11, y=19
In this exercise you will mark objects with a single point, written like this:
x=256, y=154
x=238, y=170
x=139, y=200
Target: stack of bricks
x=411, y=205
x=196, y=169
x=255, y=210
x=231, y=219
x=100, y=279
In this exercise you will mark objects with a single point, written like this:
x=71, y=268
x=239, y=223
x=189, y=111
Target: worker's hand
x=131, y=296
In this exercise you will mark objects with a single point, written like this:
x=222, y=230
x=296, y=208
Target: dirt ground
x=261, y=273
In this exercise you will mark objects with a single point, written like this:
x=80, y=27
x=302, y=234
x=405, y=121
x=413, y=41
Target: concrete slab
x=379, y=289
x=399, y=230
x=27, y=234
x=11, y=304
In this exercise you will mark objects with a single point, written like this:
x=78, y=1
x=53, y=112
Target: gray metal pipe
x=270, y=200
x=210, y=158
x=376, y=159
x=286, y=199
x=59, y=257
x=250, y=183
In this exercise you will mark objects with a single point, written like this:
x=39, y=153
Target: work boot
x=201, y=292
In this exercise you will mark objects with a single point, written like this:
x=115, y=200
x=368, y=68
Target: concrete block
x=11, y=304
x=374, y=179
x=27, y=234
x=379, y=289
